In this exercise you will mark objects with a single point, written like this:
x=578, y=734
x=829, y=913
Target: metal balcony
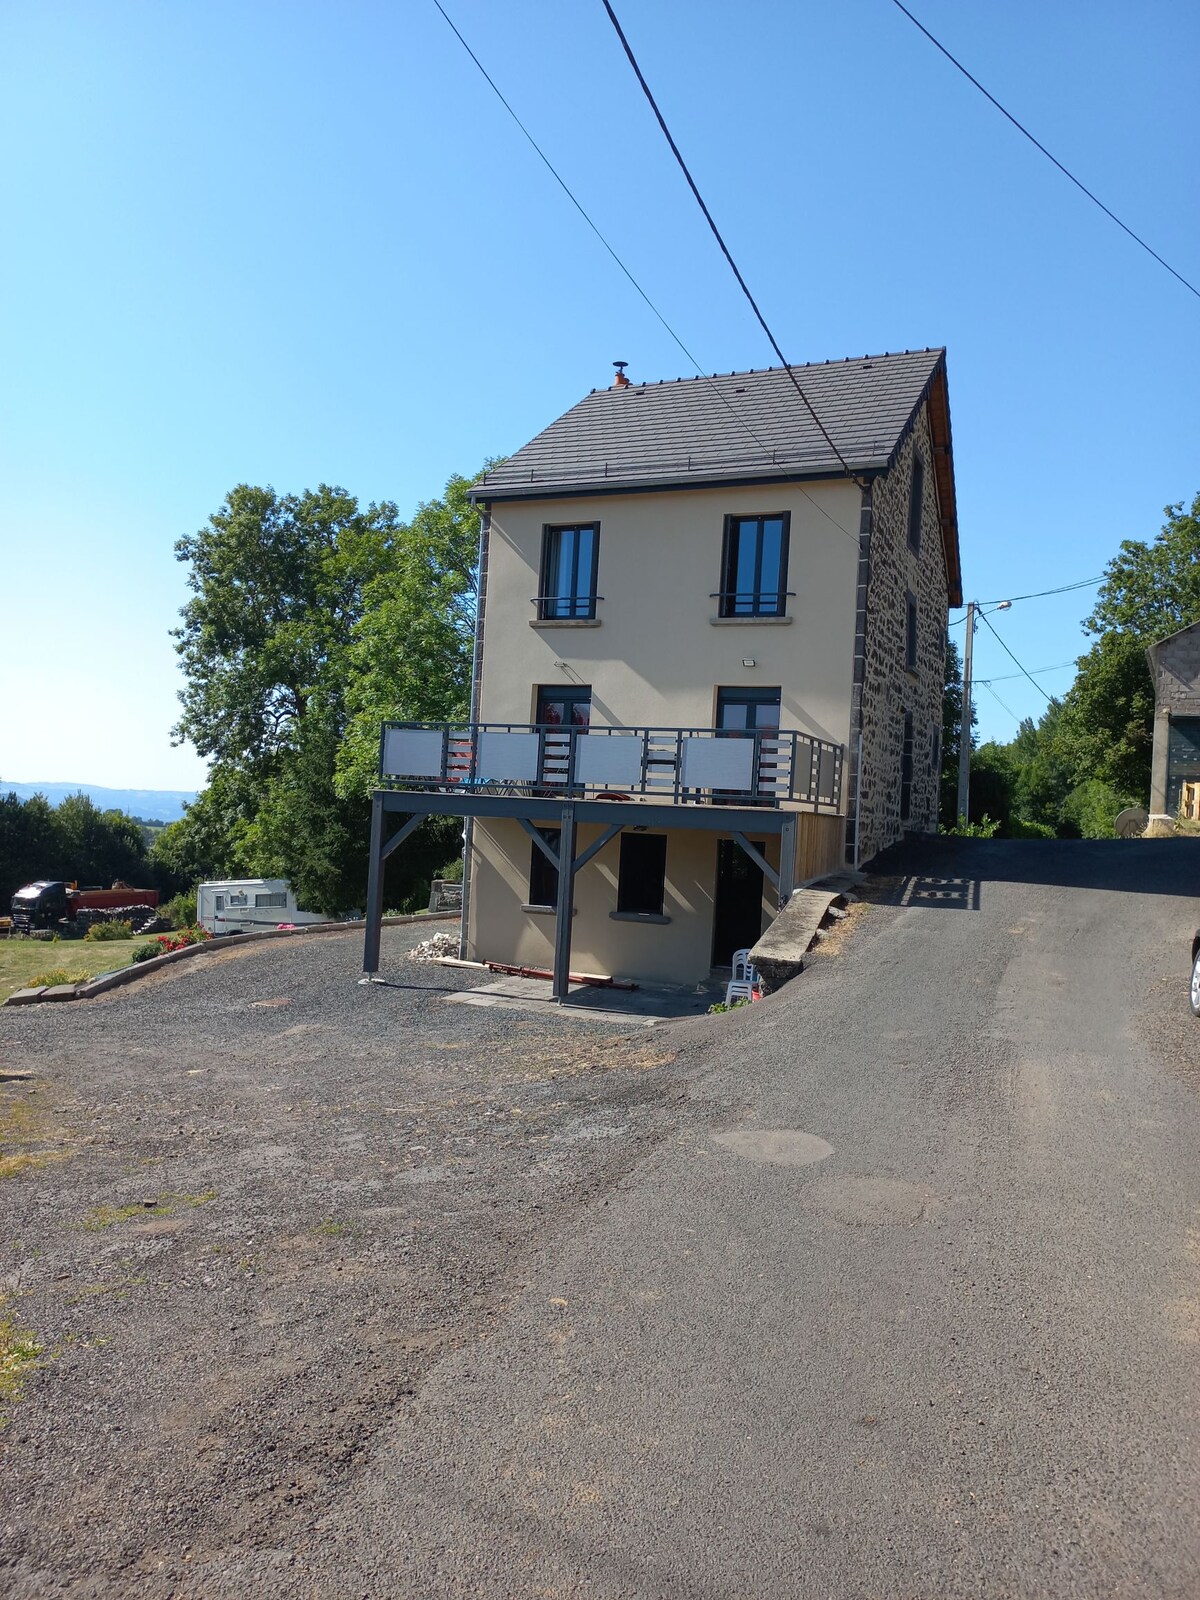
x=667, y=766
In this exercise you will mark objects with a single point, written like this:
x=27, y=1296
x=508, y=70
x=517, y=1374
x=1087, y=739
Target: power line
x=562, y=183
x=1083, y=583
x=983, y=616
x=1007, y=677
x=675, y=151
x=1020, y=127
x=984, y=684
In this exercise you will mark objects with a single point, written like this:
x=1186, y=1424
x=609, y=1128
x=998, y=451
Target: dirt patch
x=264, y=1243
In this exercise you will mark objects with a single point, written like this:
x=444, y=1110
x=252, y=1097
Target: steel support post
x=565, y=905
x=787, y=860
x=374, y=890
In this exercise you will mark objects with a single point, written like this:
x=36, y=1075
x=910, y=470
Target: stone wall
x=1177, y=678
x=888, y=688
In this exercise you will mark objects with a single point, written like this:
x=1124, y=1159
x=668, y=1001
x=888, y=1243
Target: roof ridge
x=794, y=366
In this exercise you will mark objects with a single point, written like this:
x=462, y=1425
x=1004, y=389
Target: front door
x=738, y=908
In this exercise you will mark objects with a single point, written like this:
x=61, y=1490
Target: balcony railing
x=672, y=766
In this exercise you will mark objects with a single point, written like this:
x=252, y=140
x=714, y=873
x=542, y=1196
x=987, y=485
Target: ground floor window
x=543, y=876
x=906, y=767
x=642, y=878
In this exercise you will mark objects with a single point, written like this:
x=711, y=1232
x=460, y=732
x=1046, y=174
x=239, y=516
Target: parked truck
x=65, y=908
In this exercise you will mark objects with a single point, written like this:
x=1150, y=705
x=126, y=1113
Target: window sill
x=547, y=911
x=565, y=622
x=638, y=916
x=750, y=622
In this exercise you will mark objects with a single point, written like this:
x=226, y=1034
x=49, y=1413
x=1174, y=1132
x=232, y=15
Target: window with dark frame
x=910, y=631
x=754, y=565
x=916, y=503
x=935, y=753
x=642, y=876
x=746, y=712
x=543, y=877
x=906, y=767
x=570, y=559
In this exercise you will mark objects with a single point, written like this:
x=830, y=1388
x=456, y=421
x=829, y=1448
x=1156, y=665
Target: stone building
x=1175, y=760
x=709, y=662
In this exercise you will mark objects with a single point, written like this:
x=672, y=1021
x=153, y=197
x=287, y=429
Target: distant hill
x=152, y=805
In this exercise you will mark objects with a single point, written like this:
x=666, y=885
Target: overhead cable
x=1020, y=127
x=563, y=185
x=1025, y=673
x=1037, y=672
x=1083, y=583
x=708, y=217
x=984, y=684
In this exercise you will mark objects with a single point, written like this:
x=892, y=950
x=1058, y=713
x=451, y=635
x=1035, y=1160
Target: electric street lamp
x=964, y=737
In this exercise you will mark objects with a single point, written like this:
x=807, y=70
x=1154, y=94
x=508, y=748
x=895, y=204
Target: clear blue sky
x=292, y=243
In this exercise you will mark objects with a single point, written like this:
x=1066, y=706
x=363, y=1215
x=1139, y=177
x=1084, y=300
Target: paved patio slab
x=645, y=1007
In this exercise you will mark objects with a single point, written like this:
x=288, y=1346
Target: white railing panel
x=508, y=757
x=718, y=764
x=609, y=759
x=412, y=753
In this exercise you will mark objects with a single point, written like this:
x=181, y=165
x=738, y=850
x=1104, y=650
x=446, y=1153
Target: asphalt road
x=957, y=1356
x=888, y=1287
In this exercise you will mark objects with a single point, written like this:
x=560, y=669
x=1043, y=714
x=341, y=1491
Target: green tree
x=952, y=704
x=1091, y=809
x=310, y=622
x=410, y=657
x=993, y=784
x=1045, y=758
x=1150, y=590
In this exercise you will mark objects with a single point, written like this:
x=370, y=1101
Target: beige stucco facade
x=655, y=656
x=504, y=928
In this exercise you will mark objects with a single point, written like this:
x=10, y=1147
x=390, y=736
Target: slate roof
x=736, y=427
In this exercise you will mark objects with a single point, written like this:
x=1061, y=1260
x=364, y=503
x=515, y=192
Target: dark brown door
x=738, y=908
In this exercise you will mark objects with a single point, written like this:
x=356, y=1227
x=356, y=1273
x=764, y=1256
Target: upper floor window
x=916, y=503
x=569, y=563
x=910, y=631
x=754, y=566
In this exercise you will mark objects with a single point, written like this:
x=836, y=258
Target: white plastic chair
x=738, y=989
x=743, y=967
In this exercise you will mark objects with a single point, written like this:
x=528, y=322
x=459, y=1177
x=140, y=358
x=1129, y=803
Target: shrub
x=147, y=950
x=1020, y=829
x=452, y=872
x=100, y=931
x=180, y=939
x=181, y=911
x=46, y=980
x=985, y=828
x=1092, y=808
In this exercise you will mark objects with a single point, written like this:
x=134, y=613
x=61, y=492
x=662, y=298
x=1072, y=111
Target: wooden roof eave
x=943, y=468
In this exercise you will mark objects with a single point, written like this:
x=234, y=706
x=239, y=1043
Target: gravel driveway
x=264, y=1201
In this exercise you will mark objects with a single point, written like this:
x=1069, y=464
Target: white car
x=1194, y=994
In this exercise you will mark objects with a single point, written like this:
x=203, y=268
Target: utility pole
x=964, y=738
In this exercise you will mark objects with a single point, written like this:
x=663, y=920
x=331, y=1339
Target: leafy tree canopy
x=311, y=621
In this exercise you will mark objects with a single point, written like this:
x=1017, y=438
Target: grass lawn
x=22, y=960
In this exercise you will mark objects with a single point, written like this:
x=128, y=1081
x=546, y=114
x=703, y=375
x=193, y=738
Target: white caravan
x=247, y=905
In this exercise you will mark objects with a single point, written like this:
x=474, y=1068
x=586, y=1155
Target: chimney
x=620, y=381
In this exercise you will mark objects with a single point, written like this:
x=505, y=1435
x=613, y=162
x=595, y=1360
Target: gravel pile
x=435, y=947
